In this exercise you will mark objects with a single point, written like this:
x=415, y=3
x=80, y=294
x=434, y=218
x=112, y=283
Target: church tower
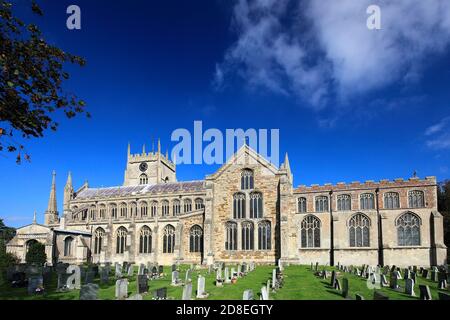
x=51, y=214
x=149, y=167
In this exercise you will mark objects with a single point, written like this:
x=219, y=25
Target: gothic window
x=367, y=201
x=83, y=214
x=165, y=208
x=256, y=205
x=310, y=232
x=144, y=209
x=74, y=212
x=168, y=239
x=121, y=240
x=196, y=239
x=92, y=212
x=123, y=210
x=321, y=203
x=143, y=179
x=98, y=240
x=113, y=208
x=358, y=228
x=246, y=179
x=187, y=205
x=247, y=235
x=68, y=243
x=154, y=208
x=199, y=204
x=416, y=199
x=176, y=207
x=408, y=229
x=264, y=242
x=145, y=240
x=133, y=209
x=231, y=236
x=301, y=205
x=344, y=202
x=102, y=211
x=391, y=200
x=239, y=205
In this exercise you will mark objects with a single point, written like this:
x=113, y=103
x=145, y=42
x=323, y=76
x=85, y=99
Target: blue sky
x=350, y=103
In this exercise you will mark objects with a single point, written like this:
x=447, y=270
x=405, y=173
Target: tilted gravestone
x=337, y=284
x=187, y=291
x=425, y=293
x=121, y=289
x=377, y=295
x=345, y=288
x=248, y=295
x=142, y=281
x=89, y=292
x=409, y=287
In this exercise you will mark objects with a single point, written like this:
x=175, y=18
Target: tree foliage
x=31, y=80
x=36, y=254
x=444, y=208
x=6, y=259
x=6, y=233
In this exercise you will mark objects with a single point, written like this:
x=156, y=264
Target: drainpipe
x=380, y=229
x=331, y=229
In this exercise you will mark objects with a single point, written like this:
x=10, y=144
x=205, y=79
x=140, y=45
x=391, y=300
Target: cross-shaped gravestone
x=89, y=292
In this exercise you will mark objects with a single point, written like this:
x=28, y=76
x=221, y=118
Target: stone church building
x=248, y=210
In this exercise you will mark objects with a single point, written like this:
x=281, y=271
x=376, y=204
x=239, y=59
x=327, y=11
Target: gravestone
x=359, y=297
x=104, y=275
x=187, y=291
x=125, y=267
x=175, y=278
x=130, y=270
x=89, y=292
x=161, y=293
x=264, y=293
x=227, y=275
x=274, y=279
x=443, y=296
x=442, y=278
x=333, y=278
x=174, y=267
x=141, y=269
x=425, y=273
x=345, y=288
x=233, y=273
x=393, y=283
x=377, y=295
x=407, y=274
x=154, y=271
x=35, y=284
x=201, y=293
x=142, y=281
x=136, y=296
x=89, y=277
x=425, y=293
x=73, y=280
x=383, y=281
x=409, y=287
x=121, y=289
x=248, y=295
x=118, y=270
x=413, y=275
x=337, y=284
x=188, y=276
x=161, y=269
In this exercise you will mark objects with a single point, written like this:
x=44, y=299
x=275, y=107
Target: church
x=248, y=210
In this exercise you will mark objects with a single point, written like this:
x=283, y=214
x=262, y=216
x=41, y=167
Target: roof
x=123, y=191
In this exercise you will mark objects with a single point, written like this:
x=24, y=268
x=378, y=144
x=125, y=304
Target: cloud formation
x=438, y=135
x=321, y=49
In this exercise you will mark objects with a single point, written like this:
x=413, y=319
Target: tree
x=444, y=208
x=6, y=233
x=6, y=259
x=36, y=254
x=31, y=81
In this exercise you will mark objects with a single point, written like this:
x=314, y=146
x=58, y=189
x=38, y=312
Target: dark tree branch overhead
x=31, y=78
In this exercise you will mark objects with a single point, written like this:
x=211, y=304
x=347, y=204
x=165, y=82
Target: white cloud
x=439, y=135
x=438, y=127
x=317, y=49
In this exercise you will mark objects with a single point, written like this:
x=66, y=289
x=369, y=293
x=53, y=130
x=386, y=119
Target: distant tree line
x=444, y=208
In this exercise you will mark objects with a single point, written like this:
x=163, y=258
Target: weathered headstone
x=175, y=278
x=345, y=288
x=248, y=295
x=141, y=269
x=359, y=297
x=188, y=276
x=393, y=283
x=161, y=293
x=130, y=270
x=104, y=275
x=409, y=287
x=89, y=277
x=118, y=270
x=121, y=289
x=425, y=273
x=383, y=281
x=142, y=281
x=337, y=284
x=201, y=292
x=89, y=292
x=274, y=279
x=378, y=295
x=35, y=284
x=174, y=267
x=161, y=269
x=442, y=279
x=425, y=293
x=264, y=293
x=187, y=291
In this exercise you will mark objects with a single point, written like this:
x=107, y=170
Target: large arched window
x=113, y=210
x=98, y=240
x=358, y=229
x=264, y=242
x=144, y=209
x=176, y=207
x=168, y=239
x=133, y=209
x=239, y=205
x=102, y=211
x=367, y=201
x=344, y=202
x=165, y=208
x=301, y=205
x=68, y=243
x=310, y=232
x=256, y=205
x=145, y=240
x=246, y=179
x=321, y=204
x=391, y=200
x=231, y=236
x=408, y=229
x=199, y=204
x=247, y=235
x=187, y=205
x=123, y=210
x=154, y=208
x=196, y=239
x=143, y=179
x=416, y=199
x=121, y=240
x=92, y=212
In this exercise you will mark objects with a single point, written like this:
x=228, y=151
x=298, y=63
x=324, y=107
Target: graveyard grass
x=300, y=283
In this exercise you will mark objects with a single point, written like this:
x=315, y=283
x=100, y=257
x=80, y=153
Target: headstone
x=161, y=293
x=201, y=293
x=89, y=292
x=425, y=273
x=409, y=287
x=104, y=275
x=383, y=281
x=35, y=284
x=142, y=281
x=337, y=284
x=188, y=276
x=161, y=269
x=393, y=283
x=121, y=289
x=187, y=291
x=73, y=280
x=274, y=279
x=248, y=295
x=130, y=270
x=174, y=267
x=118, y=269
x=425, y=293
x=407, y=273
x=413, y=275
x=136, y=296
x=345, y=288
x=377, y=295
x=227, y=275
x=317, y=266
x=175, y=278
x=89, y=277
x=443, y=296
x=442, y=279
x=333, y=278
x=264, y=293
x=141, y=269
x=359, y=297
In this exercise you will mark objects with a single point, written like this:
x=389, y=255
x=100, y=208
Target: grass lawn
x=299, y=284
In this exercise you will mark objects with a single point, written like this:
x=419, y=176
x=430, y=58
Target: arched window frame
x=247, y=236
x=344, y=202
x=310, y=229
x=68, y=246
x=113, y=210
x=154, y=208
x=247, y=179
x=231, y=236
x=123, y=209
x=264, y=235
x=143, y=179
x=196, y=239
x=176, y=207
x=92, y=212
x=416, y=199
x=121, y=240
x=256, y=205
x=145, y=240
x=165, y=208
x=143, y=205
x=102, y=211
x=99, y=234
x=391, y=200
x=199, y=203
x=239, y=205
x=168, y=239
x=133, y=209
x=408, y=227
x=301, y=205
x=359, y=230
x=187, y=205
x=367, y=201
x=321, y=203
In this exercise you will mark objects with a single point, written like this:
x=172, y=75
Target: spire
x=68, y=191
x=143, y=148
x=69, y=180
x=153, y=145
x=159, y=145
x=287, y=166
x=52, y=199
x=129, y=149
x=34, y=217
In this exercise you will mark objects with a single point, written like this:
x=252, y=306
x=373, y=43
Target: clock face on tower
x=143, y=166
